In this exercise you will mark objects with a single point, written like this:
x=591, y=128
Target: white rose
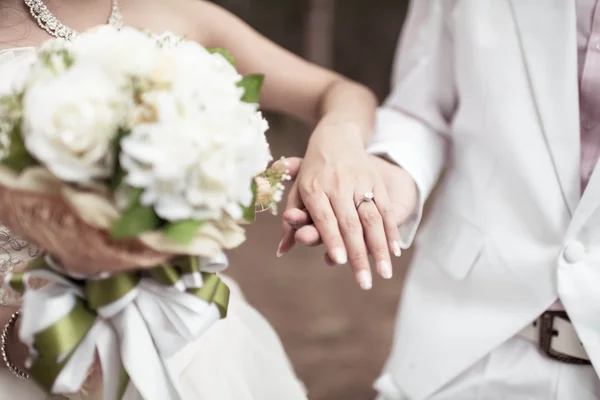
x=71, y=120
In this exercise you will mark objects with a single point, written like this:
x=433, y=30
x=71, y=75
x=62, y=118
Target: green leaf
x=250, y=212
x=18, y=157
x=136, y=198
x=118, y=175
x=182, y=232
x=251, y=85
x=136, y=219
x=115, y=181
x=224, y=53
x=135, y=222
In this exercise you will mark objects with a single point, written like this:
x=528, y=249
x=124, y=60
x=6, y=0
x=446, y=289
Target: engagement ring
x=367, y=197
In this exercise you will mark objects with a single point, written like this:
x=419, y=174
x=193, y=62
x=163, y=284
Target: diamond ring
x=367, y=197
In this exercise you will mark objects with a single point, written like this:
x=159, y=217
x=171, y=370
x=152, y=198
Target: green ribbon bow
x=55, y=346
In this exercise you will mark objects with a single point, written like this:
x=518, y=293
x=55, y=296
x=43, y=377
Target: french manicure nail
x=396, y=249
x=364, y=279
x=385, y=268
x=339, y=256
x=279, y=253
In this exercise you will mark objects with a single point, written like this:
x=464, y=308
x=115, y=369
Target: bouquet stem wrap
x=133, y=321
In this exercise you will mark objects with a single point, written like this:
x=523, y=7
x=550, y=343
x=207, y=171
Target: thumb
x=404, y=198
x=294, y=201
x=401, y=188
x=287, y=240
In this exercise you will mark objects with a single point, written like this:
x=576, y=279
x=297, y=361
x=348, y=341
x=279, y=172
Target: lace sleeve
x=14, y=254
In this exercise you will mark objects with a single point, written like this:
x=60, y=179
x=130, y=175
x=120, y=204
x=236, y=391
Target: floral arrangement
x=165, y=131
x=135, y=160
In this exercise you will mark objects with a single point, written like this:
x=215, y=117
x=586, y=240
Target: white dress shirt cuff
x=408, y=143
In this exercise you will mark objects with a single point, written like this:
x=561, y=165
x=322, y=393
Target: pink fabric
x=588, y=54
x=588, y=57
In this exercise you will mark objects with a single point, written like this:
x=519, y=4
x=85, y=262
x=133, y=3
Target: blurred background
x=336, y=335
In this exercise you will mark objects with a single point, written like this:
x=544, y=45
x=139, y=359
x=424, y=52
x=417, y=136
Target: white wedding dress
x=239, y=358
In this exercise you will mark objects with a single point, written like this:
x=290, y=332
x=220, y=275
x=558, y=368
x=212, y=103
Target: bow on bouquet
x=133, y=160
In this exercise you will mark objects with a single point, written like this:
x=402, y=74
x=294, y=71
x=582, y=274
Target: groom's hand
x=401, y=190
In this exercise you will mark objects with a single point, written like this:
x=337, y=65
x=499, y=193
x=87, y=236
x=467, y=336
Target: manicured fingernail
x=279, y=253
x=396, y=249
x=385, y=269
x=339, y=256
x=364, y=279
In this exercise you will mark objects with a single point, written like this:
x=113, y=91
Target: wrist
x=341, y=128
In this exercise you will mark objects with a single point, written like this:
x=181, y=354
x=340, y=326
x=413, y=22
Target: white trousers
x=514, y=371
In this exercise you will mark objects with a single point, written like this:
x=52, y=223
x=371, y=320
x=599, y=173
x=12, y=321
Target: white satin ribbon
x=140, y=331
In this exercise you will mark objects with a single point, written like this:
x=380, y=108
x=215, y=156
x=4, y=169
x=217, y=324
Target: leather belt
x=556, y=337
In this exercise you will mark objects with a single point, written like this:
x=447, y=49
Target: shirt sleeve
x=412, y=126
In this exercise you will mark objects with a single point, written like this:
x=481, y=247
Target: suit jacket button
x=574, y=252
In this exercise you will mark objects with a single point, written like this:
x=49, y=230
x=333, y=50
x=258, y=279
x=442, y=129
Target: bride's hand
x=330, y=184
x=400, y=186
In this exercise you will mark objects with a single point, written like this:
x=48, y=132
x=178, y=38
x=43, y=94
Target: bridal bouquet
x=134, y=161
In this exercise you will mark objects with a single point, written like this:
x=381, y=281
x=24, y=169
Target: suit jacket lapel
x=547, y=30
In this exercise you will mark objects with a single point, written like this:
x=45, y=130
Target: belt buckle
x=547, y=333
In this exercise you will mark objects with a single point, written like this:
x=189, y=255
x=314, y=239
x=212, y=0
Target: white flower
x=198, y=156
x=14, y=67
x=70, y=122
x=127, y=51
x=53, y=58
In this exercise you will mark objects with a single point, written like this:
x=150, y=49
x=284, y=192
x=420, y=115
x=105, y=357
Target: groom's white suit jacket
x=488, y=90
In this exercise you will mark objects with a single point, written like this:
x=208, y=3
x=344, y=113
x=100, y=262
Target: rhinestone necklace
x=47, y=21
